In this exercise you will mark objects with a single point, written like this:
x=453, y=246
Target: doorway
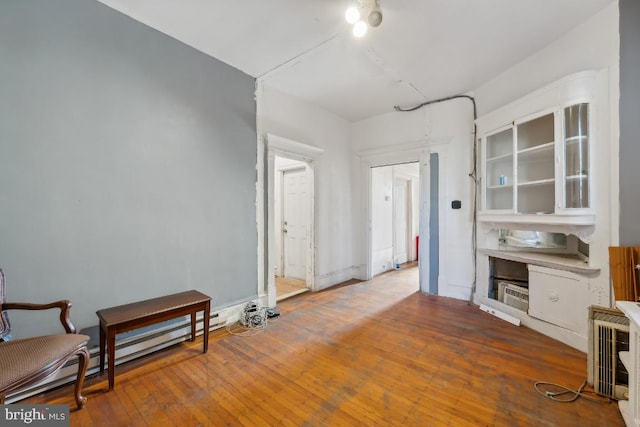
x=292, y=224
x=268, y=262
x=428, y=155
x=395, y=213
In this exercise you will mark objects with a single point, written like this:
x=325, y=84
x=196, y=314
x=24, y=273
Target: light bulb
x=352, y=15
x=359, y=29
x=375, y=18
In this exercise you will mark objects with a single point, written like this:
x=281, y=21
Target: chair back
x=5, y=326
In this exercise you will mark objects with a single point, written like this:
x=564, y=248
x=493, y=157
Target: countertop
x=572, y=263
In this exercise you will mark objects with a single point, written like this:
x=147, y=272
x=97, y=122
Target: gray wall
x=127, y=163
x=629, y=122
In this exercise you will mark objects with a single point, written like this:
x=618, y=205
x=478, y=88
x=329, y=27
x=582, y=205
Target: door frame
x=282, y=147
x=419, y=151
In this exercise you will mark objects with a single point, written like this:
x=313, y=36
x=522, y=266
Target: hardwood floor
x=287, y=287
x=373, y=353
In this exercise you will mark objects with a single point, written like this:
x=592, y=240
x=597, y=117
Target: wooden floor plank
x=363, y=353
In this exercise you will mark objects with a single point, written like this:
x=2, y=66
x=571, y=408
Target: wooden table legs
x=133, y=316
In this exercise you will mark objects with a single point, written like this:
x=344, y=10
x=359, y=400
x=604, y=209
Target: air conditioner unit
x=608, y=335
x=516, y=296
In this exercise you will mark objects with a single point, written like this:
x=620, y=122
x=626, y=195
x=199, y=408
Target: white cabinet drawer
x=559, y=297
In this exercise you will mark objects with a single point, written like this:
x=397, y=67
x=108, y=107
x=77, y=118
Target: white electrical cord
x=555, y=391
x=245, y=331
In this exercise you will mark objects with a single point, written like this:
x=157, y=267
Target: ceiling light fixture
x=363, y=14
x=360, y=28
x=374, y=18
x=352, y=15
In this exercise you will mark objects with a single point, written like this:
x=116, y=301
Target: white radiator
x=609, y=334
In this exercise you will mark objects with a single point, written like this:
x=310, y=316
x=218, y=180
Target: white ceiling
x=424, y=49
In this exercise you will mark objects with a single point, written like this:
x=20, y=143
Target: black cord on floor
x=558, y=393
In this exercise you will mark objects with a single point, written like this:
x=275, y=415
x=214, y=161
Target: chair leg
x=83, y=363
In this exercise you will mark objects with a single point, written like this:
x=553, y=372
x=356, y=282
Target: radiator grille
x=610, y=336
x=516, y=296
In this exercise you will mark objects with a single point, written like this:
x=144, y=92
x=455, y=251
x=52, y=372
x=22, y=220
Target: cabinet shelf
x=576, y=177
x=537, y=149
x=535, y=155
x=573, y=139
x=557, y=223
x=500, y=187
x=503, y=157
x=536, y=183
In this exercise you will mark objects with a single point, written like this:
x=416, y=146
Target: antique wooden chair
x=27, y=361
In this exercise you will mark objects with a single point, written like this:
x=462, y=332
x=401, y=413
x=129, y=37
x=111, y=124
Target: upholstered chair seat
x=27, y=361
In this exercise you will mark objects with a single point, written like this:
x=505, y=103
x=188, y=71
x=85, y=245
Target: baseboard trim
x=499, y=314
x=327, y=280
x=131, y=346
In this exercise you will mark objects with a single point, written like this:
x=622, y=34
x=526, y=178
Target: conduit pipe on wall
x=473, y=174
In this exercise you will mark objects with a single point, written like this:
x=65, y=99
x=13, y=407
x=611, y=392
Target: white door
x=401, y=225
x=295, y=223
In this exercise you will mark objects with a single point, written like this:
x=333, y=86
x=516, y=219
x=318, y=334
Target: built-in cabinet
x=538, y=165
x=554, y=293
x=543, y=163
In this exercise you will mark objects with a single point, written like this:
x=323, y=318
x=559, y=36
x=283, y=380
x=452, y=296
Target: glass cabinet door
x=535, y=165
x=576, y=156
x=499, y=170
